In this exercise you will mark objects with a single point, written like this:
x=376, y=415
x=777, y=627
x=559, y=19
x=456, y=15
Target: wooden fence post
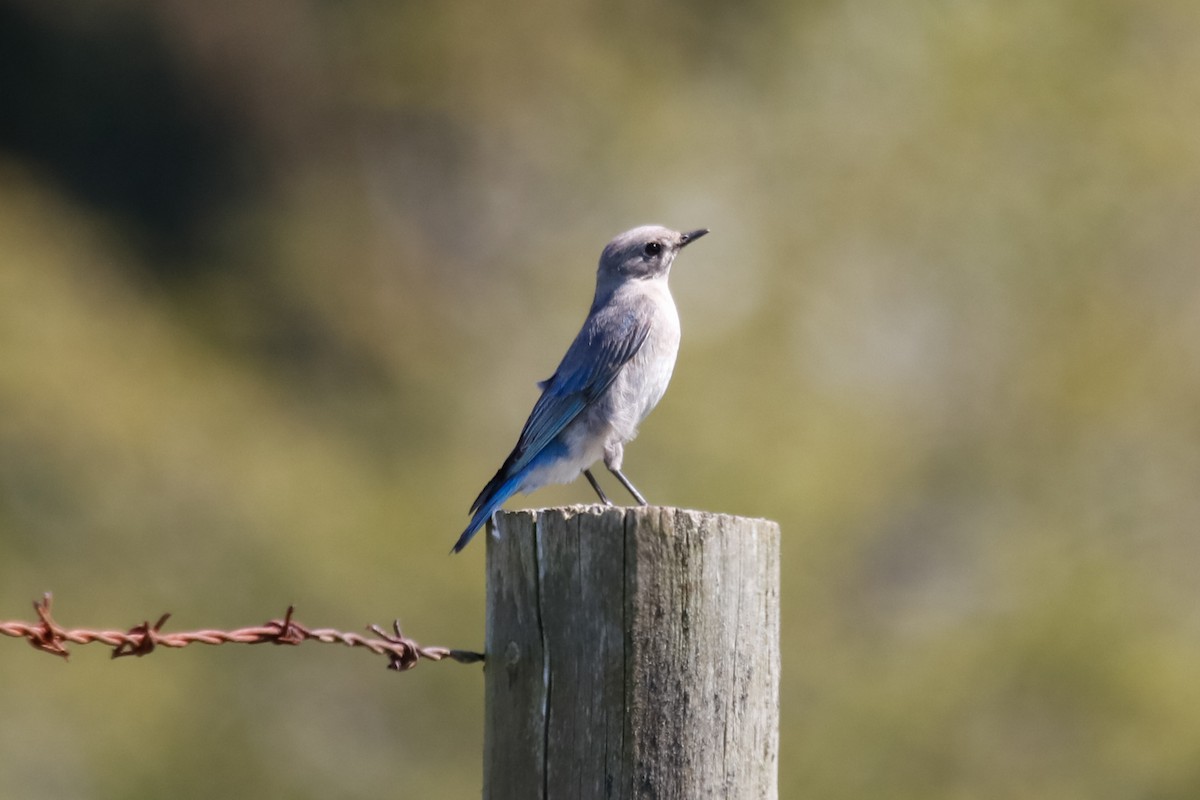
x=631, y=653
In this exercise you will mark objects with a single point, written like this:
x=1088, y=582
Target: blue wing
x=609, y=338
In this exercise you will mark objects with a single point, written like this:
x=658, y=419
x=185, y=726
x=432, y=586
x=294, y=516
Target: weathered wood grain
x=632, y=653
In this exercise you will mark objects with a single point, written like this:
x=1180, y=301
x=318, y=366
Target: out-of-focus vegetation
x=277, y=279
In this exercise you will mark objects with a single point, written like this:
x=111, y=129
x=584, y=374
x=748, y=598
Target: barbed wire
x=140, y=640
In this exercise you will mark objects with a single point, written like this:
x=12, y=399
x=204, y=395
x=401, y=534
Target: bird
x=613, y=374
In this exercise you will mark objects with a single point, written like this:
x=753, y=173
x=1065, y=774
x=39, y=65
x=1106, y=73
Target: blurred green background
x=277, y=279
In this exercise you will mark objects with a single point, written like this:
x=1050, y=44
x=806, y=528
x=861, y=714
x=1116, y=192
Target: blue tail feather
x=485, y=507
x=504, y=485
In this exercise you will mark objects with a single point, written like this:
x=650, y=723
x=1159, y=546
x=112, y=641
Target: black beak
x=692, y=236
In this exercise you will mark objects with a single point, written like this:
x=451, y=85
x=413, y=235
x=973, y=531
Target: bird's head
x=642, y=253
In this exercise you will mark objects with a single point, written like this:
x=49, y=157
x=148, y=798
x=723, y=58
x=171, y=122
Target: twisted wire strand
x=48, y=636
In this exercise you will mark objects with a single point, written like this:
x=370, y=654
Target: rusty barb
x=140, y=640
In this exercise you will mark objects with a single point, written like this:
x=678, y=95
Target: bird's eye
x=652, y=248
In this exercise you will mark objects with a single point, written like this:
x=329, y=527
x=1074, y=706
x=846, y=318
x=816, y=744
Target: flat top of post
x=652, y=511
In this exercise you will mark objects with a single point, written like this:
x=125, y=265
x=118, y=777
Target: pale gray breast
x=644, y=379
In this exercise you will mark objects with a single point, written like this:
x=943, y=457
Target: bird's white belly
x=584, y=447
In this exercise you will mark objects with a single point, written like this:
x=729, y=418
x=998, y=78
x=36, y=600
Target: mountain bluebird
x=613, y=374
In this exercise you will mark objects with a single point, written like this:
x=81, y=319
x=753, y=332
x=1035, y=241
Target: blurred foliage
x=277, y=279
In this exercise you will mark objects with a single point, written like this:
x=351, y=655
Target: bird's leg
x=614, y=454
x=587, y=473
x=632, y=489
